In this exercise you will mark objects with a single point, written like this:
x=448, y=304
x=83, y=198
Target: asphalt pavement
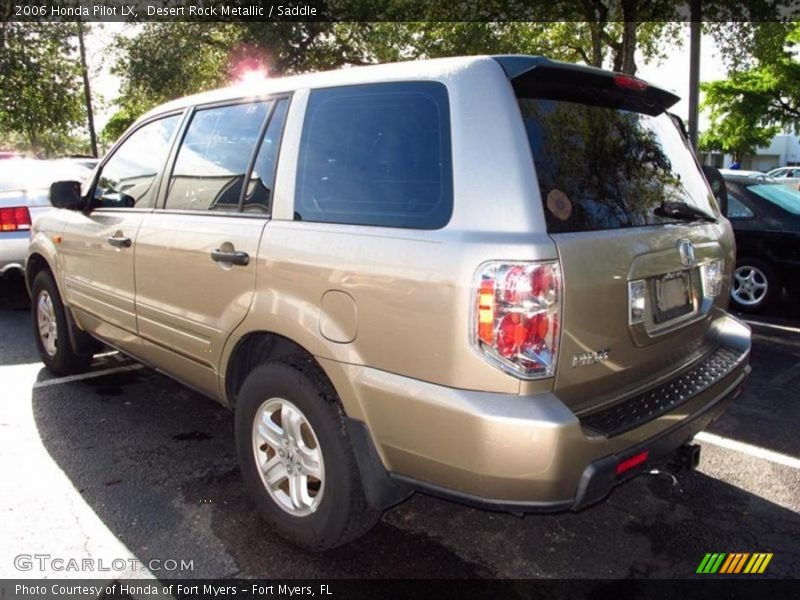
x=128, y=464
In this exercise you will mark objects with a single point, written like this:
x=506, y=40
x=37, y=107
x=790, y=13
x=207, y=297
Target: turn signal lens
x=516, y=316
x=712, y=277
x=16, y=218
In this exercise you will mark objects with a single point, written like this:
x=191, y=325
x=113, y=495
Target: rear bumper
x=13, y=251
x=524, y=453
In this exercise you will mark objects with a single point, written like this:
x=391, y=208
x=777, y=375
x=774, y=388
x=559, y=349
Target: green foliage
x=117, y=124
x=760, y=97
x=40, y=93
x=171, y=59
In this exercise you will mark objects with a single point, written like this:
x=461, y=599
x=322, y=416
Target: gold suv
x=502, y=280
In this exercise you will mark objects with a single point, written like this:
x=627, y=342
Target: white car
x=742, y=173
x=787, y=175
x=24, y=188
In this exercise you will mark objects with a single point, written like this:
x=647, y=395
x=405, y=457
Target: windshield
x=780, y=195
x=606, y=168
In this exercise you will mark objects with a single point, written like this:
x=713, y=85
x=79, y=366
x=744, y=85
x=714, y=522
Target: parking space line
x=90, y=375
x=755, y=451
x=772, y=326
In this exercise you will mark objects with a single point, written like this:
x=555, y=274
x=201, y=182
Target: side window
x=258, y=197
x=126, y=179
x=213, y=157
x=737, y=209
x=376, y=154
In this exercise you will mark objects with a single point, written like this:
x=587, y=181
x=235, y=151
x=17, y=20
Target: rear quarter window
x=376, y=154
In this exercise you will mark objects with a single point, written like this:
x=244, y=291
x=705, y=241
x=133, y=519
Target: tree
x=40, y=93
x=171, y=59
x=760, y=97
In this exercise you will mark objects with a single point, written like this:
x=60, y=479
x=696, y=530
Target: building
x=783, y=150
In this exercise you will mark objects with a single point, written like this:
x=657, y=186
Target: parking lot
x=127, y=463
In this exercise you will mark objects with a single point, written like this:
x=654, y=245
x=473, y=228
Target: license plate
x=673, y=295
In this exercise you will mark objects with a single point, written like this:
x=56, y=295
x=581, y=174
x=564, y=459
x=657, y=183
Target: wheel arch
x=258, y=347
x=35, y=264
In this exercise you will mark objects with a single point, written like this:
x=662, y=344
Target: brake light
x=16, y=218
x=632, y=462
x=630, y=83
x=516, y=314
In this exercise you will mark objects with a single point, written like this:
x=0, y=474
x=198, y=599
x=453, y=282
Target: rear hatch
x=638, y=233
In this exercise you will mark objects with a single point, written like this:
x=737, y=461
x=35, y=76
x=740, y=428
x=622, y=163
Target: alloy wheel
x=48, y=327
x=750, y=285
x=289, y=457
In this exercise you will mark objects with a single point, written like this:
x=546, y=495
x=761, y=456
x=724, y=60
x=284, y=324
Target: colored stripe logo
x=734, y=563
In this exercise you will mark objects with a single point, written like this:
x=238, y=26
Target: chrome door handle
x=120, y=242
x=233, y=258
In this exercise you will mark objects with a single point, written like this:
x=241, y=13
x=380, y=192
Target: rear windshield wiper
x=683, y=212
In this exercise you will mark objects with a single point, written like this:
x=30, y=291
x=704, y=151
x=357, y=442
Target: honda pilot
x=500, y=280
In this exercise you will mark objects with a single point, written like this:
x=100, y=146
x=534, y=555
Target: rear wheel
x=297, y=460
x=50, y=329
x=755, y=285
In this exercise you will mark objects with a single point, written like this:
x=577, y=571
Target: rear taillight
x=16, y=218
x=516, y=314
x=713, y=272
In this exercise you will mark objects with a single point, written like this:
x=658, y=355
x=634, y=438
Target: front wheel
x=50, y=329
x=755, y=285
x=297, y=460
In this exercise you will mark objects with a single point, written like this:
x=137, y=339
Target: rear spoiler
x=539, y=77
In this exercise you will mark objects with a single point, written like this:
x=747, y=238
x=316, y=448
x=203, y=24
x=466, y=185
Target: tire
x=53, y=344
x=334, y=510
x=755, y=285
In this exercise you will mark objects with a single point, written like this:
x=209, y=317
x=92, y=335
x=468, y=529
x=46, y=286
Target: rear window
x=779, y=195
x=376, y=154
x=603, y=167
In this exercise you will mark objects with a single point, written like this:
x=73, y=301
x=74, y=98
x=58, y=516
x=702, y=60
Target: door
x=98, y=245
x=195, y=259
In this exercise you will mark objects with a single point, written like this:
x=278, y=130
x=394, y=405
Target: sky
x=672, y=73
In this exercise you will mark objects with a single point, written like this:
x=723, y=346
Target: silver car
x=24, y=186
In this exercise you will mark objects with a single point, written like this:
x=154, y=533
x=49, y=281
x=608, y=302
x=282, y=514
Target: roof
x=517, y=68
x=437, y=68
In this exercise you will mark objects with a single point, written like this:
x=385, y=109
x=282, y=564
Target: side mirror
x=66, y=194
x=718, y=188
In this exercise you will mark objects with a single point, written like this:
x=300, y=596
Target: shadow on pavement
x=17, y=345
x=13, y=295
x=156, y=463
x=785, y=310
x=767, y=413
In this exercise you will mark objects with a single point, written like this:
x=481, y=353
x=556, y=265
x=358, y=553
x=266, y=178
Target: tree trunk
x=597, y=16
x=87, y=92
x=628, y=59
x=33, y=138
